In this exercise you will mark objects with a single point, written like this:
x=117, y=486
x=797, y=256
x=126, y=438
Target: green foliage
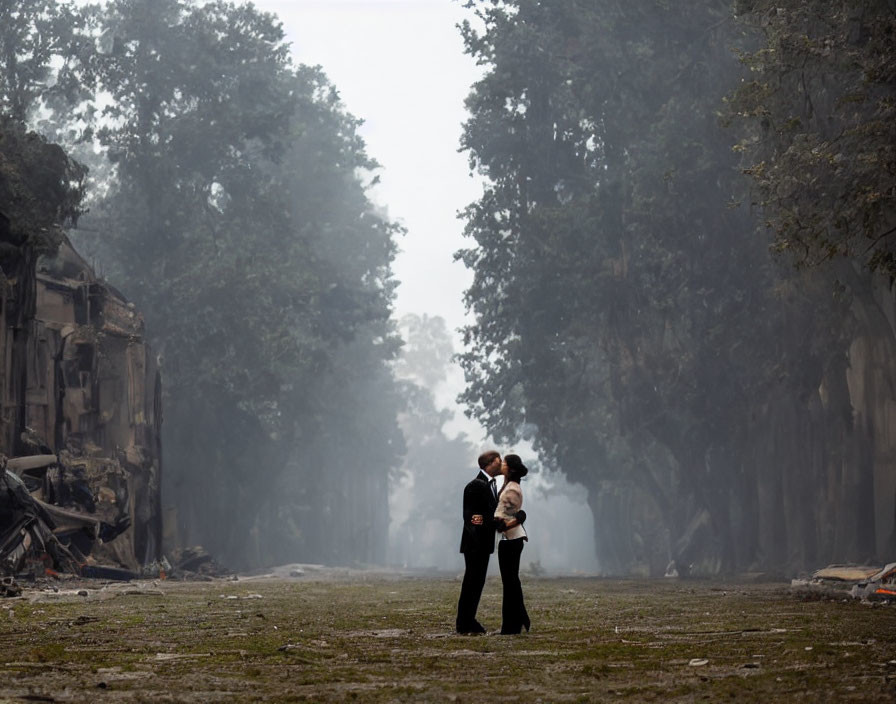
x=41, y=188
x=598, y=222
x=628, y=319
x=426, y=519
x=232, y=209
x=32, y=34
x=820, y=110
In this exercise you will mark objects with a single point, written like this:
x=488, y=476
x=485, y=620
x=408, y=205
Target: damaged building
x=80, y=420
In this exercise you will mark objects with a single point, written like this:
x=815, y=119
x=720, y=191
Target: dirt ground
x=355, y=636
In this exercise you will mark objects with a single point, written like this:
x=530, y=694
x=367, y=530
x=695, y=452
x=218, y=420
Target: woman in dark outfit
x=510, y=547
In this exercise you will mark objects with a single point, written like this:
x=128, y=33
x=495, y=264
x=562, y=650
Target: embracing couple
x=488, y=512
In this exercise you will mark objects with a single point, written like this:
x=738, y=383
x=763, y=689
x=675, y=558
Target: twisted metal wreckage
x=81, y=412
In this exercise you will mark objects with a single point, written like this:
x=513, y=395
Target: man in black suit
x=477, y=542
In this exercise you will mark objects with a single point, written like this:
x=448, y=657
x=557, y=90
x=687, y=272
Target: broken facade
x=79, y=382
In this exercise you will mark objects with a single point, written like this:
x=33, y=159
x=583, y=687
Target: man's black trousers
x=471, y=590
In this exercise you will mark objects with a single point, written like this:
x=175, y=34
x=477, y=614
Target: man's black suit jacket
x=479, y=499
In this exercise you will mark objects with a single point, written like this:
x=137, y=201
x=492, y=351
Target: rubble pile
x=193, y=563
x=38, y=538
x=881, y=586
x=80, y=411
x=55, y=523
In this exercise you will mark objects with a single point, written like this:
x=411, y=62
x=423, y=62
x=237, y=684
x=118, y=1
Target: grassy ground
x=388, y=639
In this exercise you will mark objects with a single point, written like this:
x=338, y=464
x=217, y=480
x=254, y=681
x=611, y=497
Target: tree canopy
x=229, y=202
x=629, y=318
x=821, y=149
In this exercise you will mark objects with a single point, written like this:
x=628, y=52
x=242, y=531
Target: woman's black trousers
x=513, y=610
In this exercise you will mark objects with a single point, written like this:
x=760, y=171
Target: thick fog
x=425, y=501
x=364, y=241
x=424, y=189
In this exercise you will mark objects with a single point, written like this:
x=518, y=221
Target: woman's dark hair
x=516, y=470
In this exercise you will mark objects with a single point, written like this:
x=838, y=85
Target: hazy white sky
x=399, y=65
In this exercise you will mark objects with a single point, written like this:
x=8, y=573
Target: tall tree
x=819, y=129
x=822, y=147
x=424, y=531
x=33, y=33
x=627, y=317
x=235, y=215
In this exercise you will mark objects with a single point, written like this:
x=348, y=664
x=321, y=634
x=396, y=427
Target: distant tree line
x=425, y=520
x=227, y=197
x=644, y=162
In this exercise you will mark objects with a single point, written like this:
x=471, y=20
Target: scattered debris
x=9, y=587
x=865, y=582
x=390, y=633
x=39, y=539
x=881, y=586
x=846, y=573
x=26, y=530
x=246, y=596
x=194, y=563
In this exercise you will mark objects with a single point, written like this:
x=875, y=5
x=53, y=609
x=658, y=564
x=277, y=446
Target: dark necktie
x=494, y=487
